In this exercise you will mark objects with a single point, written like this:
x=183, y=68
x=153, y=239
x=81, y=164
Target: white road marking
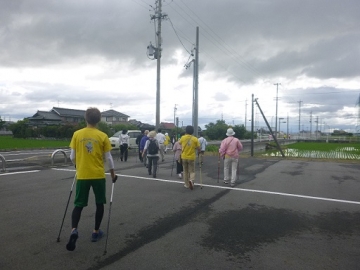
x=4, y=174
x=235, y=188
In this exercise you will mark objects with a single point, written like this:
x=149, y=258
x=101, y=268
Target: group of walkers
x=89, y=146
x=152, y=144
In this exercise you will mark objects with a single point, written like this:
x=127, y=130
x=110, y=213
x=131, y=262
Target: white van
x=114, y=139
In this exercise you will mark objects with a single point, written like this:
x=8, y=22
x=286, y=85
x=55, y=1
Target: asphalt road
x=282, y=214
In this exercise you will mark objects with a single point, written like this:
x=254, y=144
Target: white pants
x=230, y=163
x=161, y=150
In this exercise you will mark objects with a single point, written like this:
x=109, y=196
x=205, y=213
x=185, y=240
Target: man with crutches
x=89, y=146
x=229, y=151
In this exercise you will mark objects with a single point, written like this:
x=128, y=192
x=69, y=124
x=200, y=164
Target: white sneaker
x=180, y=176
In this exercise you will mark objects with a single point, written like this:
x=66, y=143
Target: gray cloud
x=240, y=41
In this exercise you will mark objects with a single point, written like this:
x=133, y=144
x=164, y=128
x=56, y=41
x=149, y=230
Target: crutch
x=238, y=170
x=200, y=165
x=108, y=224
x=62, y=223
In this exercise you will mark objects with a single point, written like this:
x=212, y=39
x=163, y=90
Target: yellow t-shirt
x=167, y=140
x=90, y=144
x=189, y=144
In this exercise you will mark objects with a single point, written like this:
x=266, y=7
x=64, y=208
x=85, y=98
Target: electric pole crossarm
x=272, y=134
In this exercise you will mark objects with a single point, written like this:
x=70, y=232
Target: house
x=113, y=117
x=63, y=116
x=56, y=116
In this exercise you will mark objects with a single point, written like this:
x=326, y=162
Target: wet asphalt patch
x=239, y=232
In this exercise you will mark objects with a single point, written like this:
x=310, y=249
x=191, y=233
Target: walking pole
x=173, y=164
x=108, y=224
x=200, y=159
x=219, y=168
x=62, y=223
x=237, y=170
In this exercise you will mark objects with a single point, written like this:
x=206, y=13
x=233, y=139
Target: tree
x=2, y=123
x=216, y=131
x=104, y=127
x=21, y=129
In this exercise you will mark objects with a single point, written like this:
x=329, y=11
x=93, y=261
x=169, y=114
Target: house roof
x=41, y=115
x=113, y=113
x=68, y=112
x=167, y=125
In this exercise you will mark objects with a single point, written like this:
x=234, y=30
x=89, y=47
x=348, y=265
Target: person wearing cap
x=229, y=151
x=166, y=142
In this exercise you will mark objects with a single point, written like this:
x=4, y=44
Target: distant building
x=63, y=116
x=113, y=117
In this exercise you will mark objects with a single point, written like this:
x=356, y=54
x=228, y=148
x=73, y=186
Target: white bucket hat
x=230, y=132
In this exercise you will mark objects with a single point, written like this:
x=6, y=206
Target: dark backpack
x=153, y=148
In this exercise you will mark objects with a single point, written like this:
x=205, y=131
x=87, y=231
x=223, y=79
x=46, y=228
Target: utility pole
x=175, y=114
x=310, y=123
x=196, y=86
x=245, y=113
x=287, y=130
x=159, y=17
x=277, y=98
x=299, y=115
x=252, y=125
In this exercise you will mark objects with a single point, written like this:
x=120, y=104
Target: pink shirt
x=231, y=147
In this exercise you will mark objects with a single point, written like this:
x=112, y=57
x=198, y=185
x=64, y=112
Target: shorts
x=83, y=188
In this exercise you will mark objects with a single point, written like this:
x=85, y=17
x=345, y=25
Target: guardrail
x=3, y=163
x=54, y=153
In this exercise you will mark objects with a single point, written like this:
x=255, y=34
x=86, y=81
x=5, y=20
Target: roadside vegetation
x=10, y=143
x=319, y=150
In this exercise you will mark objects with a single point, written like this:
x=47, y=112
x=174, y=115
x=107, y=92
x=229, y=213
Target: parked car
x=114, y=139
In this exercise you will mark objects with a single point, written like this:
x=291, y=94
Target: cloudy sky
x=77, y=54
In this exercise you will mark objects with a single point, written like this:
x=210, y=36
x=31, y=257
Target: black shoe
x=154, y=176
x=149, y=173
x=71, y=245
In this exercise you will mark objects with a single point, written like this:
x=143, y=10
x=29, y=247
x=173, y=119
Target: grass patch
x=10, y=143
x=319, y=151
x=326, y=147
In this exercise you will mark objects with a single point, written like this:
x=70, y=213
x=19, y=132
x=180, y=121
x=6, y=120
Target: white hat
x=230, y=132
x=166, y=134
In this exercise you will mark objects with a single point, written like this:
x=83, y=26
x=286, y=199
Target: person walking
x=161, y=139
x=124, y=145
x=167, y=143
x=151, y=151
x=177, y=156
x=203, y=144
x=142, y=145
x=89, y=146
x=229, y=150
x=189, y=145
x=138, y=139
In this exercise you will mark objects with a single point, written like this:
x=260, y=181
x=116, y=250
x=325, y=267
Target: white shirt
x=160, y=138
x=124, y=138
x=203, y=143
